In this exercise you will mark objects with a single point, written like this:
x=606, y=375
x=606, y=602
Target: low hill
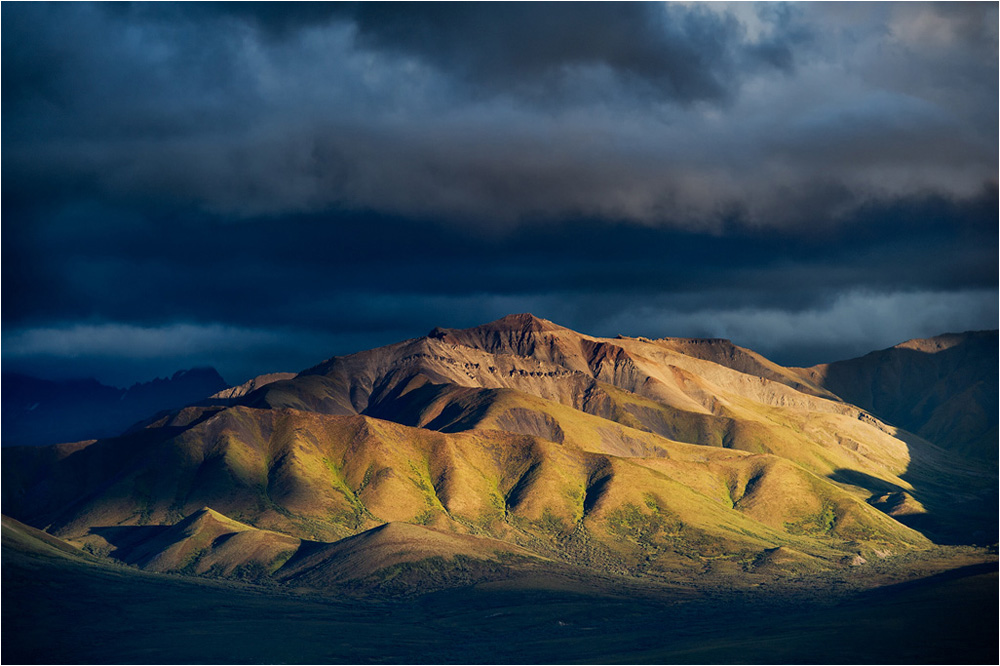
x=207, y=542
x=21, y=538
x=410, y=554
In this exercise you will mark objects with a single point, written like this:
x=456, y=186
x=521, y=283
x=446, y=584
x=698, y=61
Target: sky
x=258, y=187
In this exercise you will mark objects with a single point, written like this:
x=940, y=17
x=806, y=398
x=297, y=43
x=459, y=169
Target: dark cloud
x=682, y=54
x=266, y=109
x=346, y=175
x=848, y=326
x=275, y=20
x=347, y=273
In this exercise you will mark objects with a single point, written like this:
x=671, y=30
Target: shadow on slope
x=944, y=389
x=124, y=538
x=946, y=515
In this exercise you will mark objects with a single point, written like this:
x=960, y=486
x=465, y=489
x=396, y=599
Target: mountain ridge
x=943, y=388
x=39, y=412
x=636, y=456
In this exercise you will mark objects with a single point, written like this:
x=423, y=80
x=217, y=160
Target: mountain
x=527, y=375
x=943, y=389
x=38, y=411
x=324, y=477
x=251, y=385
x=519, y=441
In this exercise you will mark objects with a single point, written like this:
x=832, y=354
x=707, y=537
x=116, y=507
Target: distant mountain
x=942, y=388
x=519, y=440
x=38, y=411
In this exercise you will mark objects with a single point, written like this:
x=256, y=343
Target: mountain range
x=38, y=411
x=520, y=445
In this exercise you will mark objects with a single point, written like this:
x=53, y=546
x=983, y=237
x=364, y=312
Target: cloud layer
x=667, y=115
x=360, y=171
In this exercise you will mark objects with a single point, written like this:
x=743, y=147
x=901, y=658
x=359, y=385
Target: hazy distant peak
x=37, y=411
x=200, y=373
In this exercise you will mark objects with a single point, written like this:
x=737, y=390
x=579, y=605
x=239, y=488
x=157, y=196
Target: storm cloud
x=345, y=175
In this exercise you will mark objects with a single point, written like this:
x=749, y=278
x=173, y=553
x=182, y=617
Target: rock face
x=627, y=454
x=37, y=412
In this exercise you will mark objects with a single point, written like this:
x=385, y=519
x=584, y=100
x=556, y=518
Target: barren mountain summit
x=513, y=323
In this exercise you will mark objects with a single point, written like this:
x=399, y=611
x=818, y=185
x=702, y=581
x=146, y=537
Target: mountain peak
x=190, y=379
x=524, y=322
x=203, y=373
x=207, y=516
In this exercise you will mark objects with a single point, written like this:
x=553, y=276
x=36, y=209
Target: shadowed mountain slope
x=943, y=388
